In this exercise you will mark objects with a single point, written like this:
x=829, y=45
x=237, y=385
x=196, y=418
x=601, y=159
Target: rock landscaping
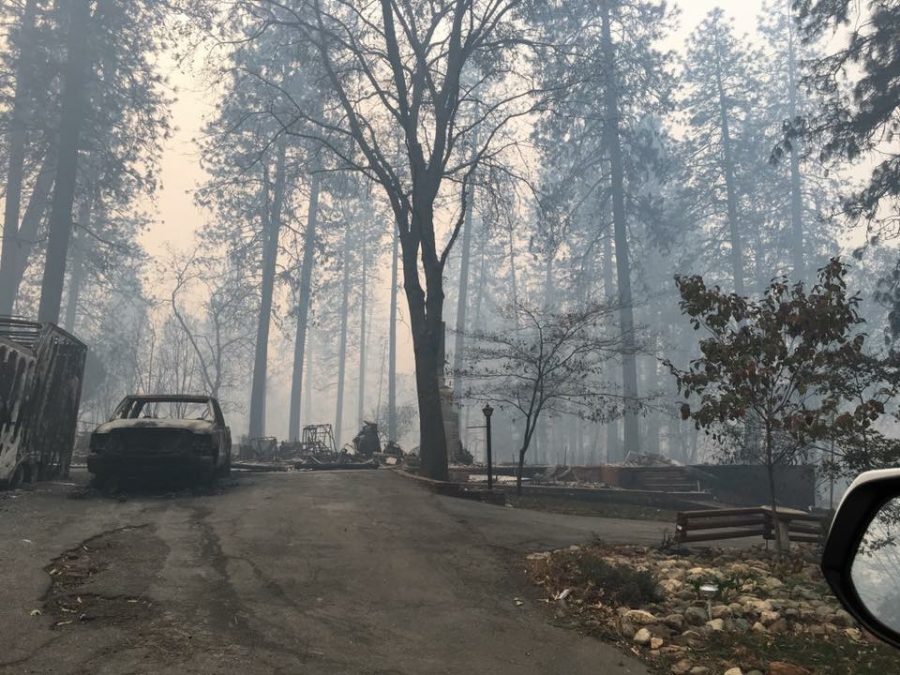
x=715, y=612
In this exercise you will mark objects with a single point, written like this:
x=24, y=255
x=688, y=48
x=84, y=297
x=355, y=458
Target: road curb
x=448, y=489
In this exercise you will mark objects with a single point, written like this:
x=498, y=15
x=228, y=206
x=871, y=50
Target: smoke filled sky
x=176, y=216
x=598, y=162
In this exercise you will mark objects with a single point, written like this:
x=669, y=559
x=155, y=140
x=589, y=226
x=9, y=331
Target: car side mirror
x=861, y=559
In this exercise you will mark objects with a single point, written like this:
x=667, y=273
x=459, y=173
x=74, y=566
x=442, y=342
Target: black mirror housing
x=863, y=501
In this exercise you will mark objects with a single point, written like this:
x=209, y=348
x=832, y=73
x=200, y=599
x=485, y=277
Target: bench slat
x=805, y=517
x=723, y=524
x=720, y=534
x=712, y=513
x=794, y=537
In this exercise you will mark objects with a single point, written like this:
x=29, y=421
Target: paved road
x=344, y=572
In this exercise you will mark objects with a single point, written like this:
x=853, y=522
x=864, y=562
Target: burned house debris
x=41, y=373
x=317, y=440
x=367, y=443
x=264, y=448
x=316, y=449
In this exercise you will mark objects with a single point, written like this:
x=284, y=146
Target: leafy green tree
x=782, y=359
x=855, y=441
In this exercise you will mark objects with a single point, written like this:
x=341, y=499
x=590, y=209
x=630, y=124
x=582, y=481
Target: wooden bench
x=802, y=527
x=718, y=524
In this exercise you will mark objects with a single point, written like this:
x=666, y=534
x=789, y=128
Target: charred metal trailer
x=41, y=371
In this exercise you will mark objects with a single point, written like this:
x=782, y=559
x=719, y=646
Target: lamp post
x=488, y=411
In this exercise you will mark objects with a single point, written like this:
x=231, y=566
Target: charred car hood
x=195, y=426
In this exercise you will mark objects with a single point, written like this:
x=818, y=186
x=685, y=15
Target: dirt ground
x=345, y=572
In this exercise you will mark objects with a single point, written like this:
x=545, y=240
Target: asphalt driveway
x=344, y=572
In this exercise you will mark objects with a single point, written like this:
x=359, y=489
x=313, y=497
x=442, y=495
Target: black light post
x=488, y=411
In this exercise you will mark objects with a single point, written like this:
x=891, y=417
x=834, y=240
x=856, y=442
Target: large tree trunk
x=569, y=435
x=620, y=227
x=797, y=218
x=432, y=440
x=652, y=441
x=578, y=423
x=549, y=286
x=271, y=230
x=462, y=305
x=737, y=251
x=342, y=348
x=479, y=298
x=797, y=252
x=676, y=446
x=480, y=289
x=613, y=452
x=653, y=378
x=16, y=137
x=308, y=374
x=543, y=444
x=76, y=276
x=363, y=297
x=695, y=444
x=513, y=281
x=303, y=303
x=31, y=224
x=427, y=327
x=72, y=118
x=392, y=343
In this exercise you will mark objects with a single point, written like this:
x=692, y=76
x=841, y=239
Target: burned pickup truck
x=171, y=436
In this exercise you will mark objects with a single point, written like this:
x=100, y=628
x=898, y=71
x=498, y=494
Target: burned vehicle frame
x=135, y=443
x=41, y=372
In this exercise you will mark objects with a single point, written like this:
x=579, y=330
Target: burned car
x=170, y=435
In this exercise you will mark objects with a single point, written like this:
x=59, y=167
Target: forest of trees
x=490, y=196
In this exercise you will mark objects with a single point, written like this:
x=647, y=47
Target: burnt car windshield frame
x=125, y=409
